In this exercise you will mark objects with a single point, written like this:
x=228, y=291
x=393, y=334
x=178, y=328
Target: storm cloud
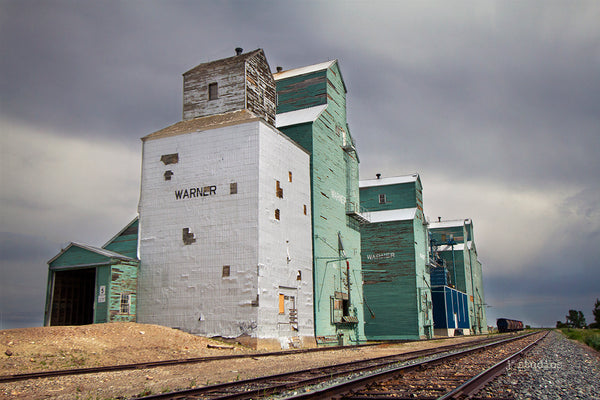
x=495, y=104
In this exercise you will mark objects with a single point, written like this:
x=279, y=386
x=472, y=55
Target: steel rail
x=341, y=389
x=473, y=385
x=166, y=363
x=289, y=380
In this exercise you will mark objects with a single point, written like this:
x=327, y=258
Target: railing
x=355, y=211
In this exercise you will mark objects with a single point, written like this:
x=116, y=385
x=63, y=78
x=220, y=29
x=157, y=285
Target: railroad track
x=172, y=362
x=454, y=376
x=274, y=384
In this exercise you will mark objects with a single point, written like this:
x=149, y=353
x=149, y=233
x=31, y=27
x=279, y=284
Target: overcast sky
x=495, y=104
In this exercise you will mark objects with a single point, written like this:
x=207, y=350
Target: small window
x=213, y=91
x=125, y=303
x=299, y=276
x=226, y=270
x=305, y=209
x=168, y=175
x=279, y=190
x=233, y=188
x=290, y=176
x=382, y=199
x=277, y=214
x=281, y=303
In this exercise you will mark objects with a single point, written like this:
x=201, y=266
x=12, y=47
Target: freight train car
x=509, y=325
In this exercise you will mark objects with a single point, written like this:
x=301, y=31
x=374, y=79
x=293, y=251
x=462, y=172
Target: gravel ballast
x=558, y=368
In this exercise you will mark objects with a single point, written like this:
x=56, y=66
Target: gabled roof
x=225, y=61
x=389, y=181
x=121, y=231
x=299, y=116
x=290, y=73
x=303, y=70
x=402, y=214
x=204, y=123
x=93, y=249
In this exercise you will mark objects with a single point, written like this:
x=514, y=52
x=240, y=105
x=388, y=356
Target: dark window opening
x=213, y=91
x=290, y=176
x=226, y=270
x=279, y=190
x=170, y=158
x=168, y=175
x=382, y=199
x=277, y=214
x=305, y=211
x=233, y=188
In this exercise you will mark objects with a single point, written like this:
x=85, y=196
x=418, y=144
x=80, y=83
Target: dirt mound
x=61, y=347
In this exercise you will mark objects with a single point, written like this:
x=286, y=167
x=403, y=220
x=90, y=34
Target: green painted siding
x=78, y=256
x=302, y=91
x=398, y=196
x=442, y=235
x=126, y=242
x=394, y=253
x=334, y=183
x=123, y=281
x=390, y=281
x=101, y=308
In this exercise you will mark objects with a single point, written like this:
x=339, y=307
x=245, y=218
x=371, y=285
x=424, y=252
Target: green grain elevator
x=311, y=110
x=456, y=245
x=396, y=287
x=91, y=285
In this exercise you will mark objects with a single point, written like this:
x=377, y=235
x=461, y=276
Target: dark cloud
x=500, y=102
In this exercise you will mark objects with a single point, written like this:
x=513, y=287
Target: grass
x=591, y=337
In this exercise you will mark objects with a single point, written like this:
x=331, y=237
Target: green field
x=591, y=337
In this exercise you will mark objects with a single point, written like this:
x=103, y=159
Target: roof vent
x=238, y=51
x=279, y=69
x=378, y=176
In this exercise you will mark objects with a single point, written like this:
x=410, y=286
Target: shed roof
x=402, y=214
x=389, y=181
x=299, y=116
x=226, y=61
x=204, y=123
x=303, y=70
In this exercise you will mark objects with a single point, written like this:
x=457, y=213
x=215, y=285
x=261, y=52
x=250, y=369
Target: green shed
x=88, y=284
